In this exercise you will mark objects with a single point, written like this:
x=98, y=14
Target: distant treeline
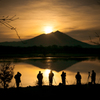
x=36, y=50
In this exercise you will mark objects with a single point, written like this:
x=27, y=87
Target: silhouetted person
x=51, y=78
x=93, y=77
x=40, y=77
x=88, y=77
x=63, y=76
x=78, y=78
x=17, y=78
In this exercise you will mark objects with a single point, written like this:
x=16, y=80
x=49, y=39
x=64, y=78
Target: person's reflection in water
x=51, y=74
x=78, y=78
x=17, y=78
x=63, y=76
x=88, y=80
x=40, y=77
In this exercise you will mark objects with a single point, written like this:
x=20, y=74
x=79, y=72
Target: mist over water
x=29, y=68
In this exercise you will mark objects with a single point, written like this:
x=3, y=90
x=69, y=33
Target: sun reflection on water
x=46, y=72
x=29, y=72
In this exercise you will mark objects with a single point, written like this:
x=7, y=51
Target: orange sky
x=77, y=18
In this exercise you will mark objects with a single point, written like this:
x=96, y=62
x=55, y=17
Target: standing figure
x=93, y=77
x=63, y=76
x=40, y=77
x=88, y=80
x=51, y=78
x=17, y=78
x=78, y=78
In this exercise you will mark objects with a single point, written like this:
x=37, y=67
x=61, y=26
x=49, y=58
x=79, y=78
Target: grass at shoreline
x=57, y=92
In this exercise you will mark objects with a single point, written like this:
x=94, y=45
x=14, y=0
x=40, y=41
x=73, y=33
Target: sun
x=48, y=29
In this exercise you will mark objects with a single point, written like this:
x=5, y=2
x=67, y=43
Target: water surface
x=29, y=68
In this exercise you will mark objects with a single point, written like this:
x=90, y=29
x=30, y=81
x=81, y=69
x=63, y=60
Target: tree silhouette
x=6, y=74
x=5, y=21
x=97, y=35
x=97, y=43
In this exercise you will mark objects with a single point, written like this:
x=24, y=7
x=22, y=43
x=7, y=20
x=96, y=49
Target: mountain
x=54, y=38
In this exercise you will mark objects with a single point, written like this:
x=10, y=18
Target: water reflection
x=56, y=64
x=29, y=69
x=46, y=72
x=84, y=67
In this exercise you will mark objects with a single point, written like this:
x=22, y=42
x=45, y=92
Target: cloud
x=78, y=2
x=84, y=35
x=6, y=37
x=77, y=17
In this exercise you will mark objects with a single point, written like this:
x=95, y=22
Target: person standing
x=89, y=77
x=78, y=78
x=93, y=77
x=51, y=74
x=63, y=76
x=40, y=77
x=17, y=79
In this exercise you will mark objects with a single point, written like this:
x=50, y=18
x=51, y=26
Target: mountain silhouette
x=54, y=38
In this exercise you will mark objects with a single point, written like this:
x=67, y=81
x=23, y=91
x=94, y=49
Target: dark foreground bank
x=86, y=92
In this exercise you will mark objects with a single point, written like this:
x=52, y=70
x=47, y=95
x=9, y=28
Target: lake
x=29, y=68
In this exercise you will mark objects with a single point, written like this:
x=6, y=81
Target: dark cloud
x=84, y=35
x=78, y=2
x=6, y=37
x=14, y=6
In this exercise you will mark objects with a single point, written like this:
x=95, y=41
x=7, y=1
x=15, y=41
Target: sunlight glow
x=48, y=29
x=47, y=71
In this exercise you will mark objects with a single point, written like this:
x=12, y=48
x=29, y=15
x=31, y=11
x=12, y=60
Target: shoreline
x=63, y=55
x=54, y=57
x=86, y=91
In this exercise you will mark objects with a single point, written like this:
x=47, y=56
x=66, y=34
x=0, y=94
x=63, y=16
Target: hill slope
x=54, y=38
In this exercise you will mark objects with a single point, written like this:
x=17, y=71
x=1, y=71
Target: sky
x=77, y=18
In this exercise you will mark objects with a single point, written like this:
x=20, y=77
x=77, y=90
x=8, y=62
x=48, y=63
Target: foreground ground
x=54, y=92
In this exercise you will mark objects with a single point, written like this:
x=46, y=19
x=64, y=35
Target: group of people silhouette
x=92, y=77
x=51, y=74
x=63, y=77
x=40, y=77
